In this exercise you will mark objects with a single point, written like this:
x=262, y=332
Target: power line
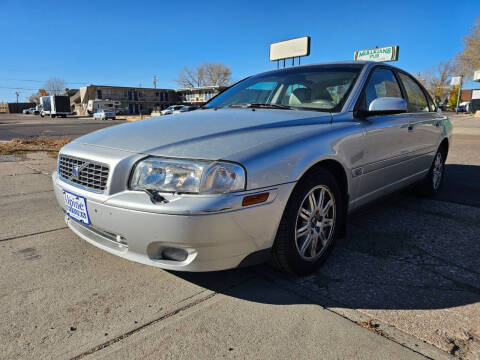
x=18, y=88
x=40, y=81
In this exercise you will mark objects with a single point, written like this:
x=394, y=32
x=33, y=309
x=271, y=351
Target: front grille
x=85, y=173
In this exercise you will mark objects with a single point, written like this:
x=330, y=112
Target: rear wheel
x=310, y=224
x=432, y=184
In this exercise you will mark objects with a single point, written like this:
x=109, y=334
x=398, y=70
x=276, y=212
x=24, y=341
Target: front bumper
x=215, y=230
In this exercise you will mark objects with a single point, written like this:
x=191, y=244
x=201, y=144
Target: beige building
x=131, y=100
x=198, y=96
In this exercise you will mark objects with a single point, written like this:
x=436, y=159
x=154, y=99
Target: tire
x=432, y=184
x=292, y=237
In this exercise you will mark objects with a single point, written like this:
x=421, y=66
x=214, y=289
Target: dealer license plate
x=76, y=207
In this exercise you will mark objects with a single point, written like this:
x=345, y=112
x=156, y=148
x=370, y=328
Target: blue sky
x=127, y=42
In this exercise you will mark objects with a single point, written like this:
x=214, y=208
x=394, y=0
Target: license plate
x=76, y=207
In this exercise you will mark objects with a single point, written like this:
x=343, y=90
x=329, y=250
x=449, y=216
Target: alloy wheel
x=315, y=223
x=437, y=171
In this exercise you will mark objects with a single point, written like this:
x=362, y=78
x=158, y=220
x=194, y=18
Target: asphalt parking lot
x=29, y=126
x=403, y=284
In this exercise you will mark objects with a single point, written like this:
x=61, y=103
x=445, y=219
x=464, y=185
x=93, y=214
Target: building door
x=136, y=108
x=130, y=107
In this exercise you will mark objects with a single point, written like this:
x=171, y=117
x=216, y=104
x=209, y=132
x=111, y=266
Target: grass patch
x=20, y=147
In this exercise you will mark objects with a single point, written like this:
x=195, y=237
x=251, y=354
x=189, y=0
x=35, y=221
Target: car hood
x=209, y=134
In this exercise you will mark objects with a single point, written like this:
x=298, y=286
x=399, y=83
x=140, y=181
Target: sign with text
x=476, y=75
x=475, y=94
x=456, y=80
x=388, y=53
x=290, y=48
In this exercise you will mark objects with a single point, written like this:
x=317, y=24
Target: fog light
x=175, y=254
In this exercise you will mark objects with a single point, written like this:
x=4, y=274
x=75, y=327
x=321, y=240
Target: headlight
x=187, y=176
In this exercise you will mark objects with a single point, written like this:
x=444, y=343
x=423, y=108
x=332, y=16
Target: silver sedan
x=267, y=170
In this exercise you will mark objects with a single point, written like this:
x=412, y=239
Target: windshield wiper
x=260, y=105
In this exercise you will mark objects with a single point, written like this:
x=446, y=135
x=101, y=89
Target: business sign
x=476, y=75
x=475, y=94
x=456, y=80
x=290, y=48
x=388, y=53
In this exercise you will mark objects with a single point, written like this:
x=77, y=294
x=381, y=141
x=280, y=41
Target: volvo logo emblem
x=77, y=169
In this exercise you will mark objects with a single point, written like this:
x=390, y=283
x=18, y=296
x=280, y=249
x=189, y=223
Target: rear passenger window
x=416, y=98
x=382, y=83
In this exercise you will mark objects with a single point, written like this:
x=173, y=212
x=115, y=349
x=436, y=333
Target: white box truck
x=55, y=105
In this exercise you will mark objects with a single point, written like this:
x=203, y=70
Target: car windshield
x=321, y=87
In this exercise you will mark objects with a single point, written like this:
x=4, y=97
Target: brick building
x=132, y=100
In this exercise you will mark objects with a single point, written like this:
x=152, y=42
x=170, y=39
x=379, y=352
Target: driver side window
x=382, y=83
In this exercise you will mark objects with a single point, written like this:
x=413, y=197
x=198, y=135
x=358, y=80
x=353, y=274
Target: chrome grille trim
x=90, y=175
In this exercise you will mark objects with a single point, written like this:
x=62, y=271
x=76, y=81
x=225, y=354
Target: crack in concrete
x=155, y=321
x=22, y=194
x=137, y=329
x=32, y=234
x=301, y=290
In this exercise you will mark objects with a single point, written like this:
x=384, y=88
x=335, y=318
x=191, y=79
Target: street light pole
x=16, y=93
x=459, y=92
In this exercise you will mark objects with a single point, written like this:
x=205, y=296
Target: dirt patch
x=20, y=147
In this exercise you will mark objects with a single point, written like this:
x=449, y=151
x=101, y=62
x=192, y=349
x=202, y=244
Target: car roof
x=326, y=64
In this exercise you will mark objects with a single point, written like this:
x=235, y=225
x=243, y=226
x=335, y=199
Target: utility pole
x=16, y=93
x=155, y=81
x=459, y=92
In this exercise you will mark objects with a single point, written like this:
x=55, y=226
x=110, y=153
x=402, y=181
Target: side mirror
x=390, y=105
x=384, y=106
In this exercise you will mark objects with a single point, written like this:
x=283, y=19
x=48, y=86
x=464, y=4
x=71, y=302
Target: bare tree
x=468, y=60
x=34, y=98
x=55, y=86
x=206, y=74
x=437, y=79
x=217, y=74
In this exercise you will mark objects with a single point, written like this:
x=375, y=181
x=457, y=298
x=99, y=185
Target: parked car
x=29, y=111
x=173, y=109
x=187, y=108
x=268, y=170
x=103, y=114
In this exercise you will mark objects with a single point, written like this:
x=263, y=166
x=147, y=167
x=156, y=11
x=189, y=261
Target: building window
x=166, y=96
x=156, y=94
x=161, y=96
x=99, y=94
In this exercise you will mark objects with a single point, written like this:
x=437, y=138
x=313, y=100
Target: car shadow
x=402, y=252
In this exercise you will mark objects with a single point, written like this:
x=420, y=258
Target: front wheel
x=310, y=224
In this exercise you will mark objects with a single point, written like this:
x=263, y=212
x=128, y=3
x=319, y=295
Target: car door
x=424, y=126
x=385, y=138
